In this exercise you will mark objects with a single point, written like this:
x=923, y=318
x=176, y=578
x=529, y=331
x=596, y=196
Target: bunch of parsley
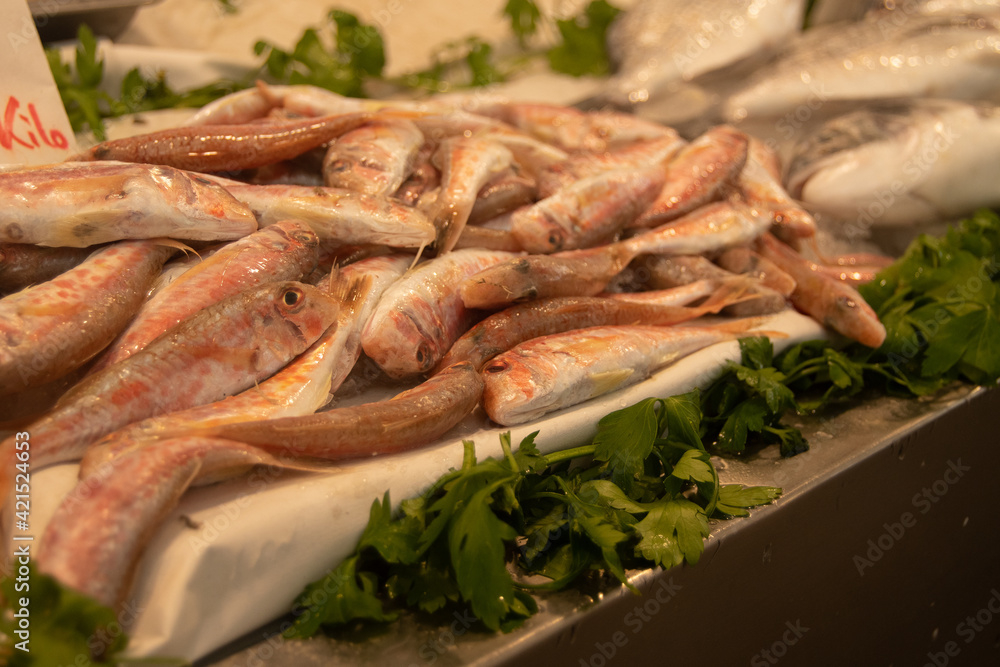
x=644, y=499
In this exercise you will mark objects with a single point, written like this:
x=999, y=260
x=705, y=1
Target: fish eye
x=497, y=367
x=292, y=297
x=424, y=358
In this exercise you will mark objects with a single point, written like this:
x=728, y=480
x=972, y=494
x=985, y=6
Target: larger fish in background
x=662, y=42
x=830, y=11
x=954, y=56
x=895, y=164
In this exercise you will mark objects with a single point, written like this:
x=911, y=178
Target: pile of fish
x=183, y=304
x=884, y=112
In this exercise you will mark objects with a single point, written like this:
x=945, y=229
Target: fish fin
x=607, y=381
x=731, y=290
x=746, y=324
x=350, y=293
x=173, y=243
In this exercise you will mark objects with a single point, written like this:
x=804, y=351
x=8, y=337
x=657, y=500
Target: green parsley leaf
x=625, y=438
x=342, y=596
x=673, y=531
x=64, y=624
x=524, y=17
x=583, y=51
x=734, y=499
x=477, y=540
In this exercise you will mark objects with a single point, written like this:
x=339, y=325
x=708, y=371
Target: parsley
x=547, y=517
x=87, y=104
x=582, y=50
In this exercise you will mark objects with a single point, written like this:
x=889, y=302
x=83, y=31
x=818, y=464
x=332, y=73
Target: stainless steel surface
x=883, y=551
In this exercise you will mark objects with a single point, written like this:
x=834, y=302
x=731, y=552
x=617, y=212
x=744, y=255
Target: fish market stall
x=640, y=280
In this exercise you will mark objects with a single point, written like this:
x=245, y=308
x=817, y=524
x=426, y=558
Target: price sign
x=34, y=128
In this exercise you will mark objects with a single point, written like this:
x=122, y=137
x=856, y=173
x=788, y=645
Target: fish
x=898, y=164
x=284, y=251
x=828, y=11
x=422, y=314
x=227, y=148
x=830, y=302
x=218, y=351
x=250, y=104
x=504, y=330
x=23, y=265
x=505, y=192
x=51, y=329
x=760, y=183
x=410, y=419
x=557, y=371
x=671, y=272
x=587, y=272
x=80, y=204
x=658, y=43
x=590, y=211
x=949, y=56
x=336, y=214
x=466, y=165
x=581, y=165
x=573, y=130
x=301, y=387
x=697, y=174
x=743, y=260
x=373, y=159
x=95, y=538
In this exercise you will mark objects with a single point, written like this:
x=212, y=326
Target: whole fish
x=300, y=388
x=830, y=11
x=53, y=328
x=899, y=164
x=697, y=174
x=283, y=251
x=408, y=420
x=422, y=314
x=590, y=211
x=657, y=43
x=220, y=350
x=23, y=265
x=501, y=331
x=80, y=204
x=335, y=214
x=949, y=56
x=98, y=533
x=557, y=371
x=228, y=147
x=250, y=104
x=373, y=159
x=587, y=272
x=466, y=164
x=829, y=301
x=572, y=130
x=581, y=165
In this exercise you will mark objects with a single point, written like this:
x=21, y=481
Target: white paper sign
x=34, y=128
